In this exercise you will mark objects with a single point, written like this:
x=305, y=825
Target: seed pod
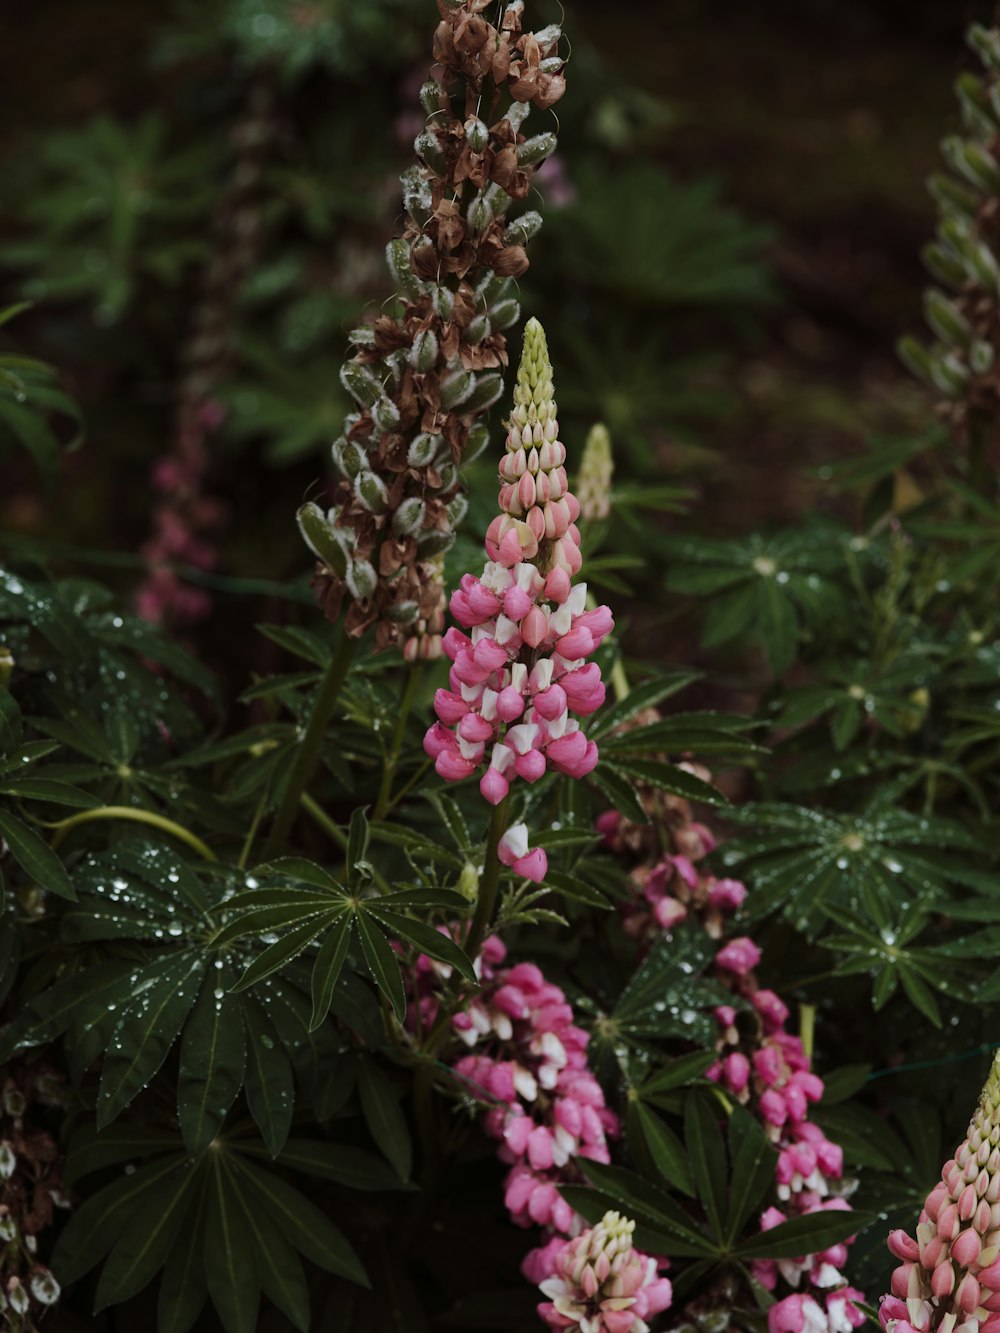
x=364, y=336
x=317, y=531
x=424, y=351
x=409, y=517
x=487, y=390
x=430, y=96
x=417, y=197
x=949, y=375
x=518, y=114
x=397, y=257
x=422, y=450
x=477, y=440
x=361, y=579
x=433, y=543
x=986, y=44
x=476, y=330
x=505, y=313
x=457, y=509
x=551, y=64
x=952, y=194
x=448, y=473
x=360, y=383
x=427, y=147
x=976, y=105
x=981, y=357
x=944, y=264
x=548, y=38
x=443, y=301
x=477, y=136
x=981, y=265
x=945, y=319
x=403, y=613
x=492, y=288
x=348, y=457
x=385, y=414
x=371, y=492
x=479, y=215
x=455, y=388
x=536, y=149
x=523, y=229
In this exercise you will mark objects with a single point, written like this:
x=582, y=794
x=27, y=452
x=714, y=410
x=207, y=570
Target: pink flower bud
x=727, y=894
x=579, y=642
x=739, y=956
x=489, y=655
x=452, y=767
x=736, y=1072
x=557, y=586
x=493, y=786
x=517, y=602
x=942, y=1280
x=600, y=622
x=967, y=1294
x=534, y=627
x=534, y=866
x=550, y=703
x=437, y=740
x=530, y=765
x=966, y=1248
x=669, y=912
x=510, y=704
x=567, y=751
x=474, y=727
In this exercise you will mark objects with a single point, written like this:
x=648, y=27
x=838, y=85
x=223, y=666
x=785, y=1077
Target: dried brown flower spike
x=424, y=375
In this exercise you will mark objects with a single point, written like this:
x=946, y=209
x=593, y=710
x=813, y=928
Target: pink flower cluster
x=521, y=672
x=949, y=1277
x=760, y=1064
x=597, y=1283
x=529, y=1062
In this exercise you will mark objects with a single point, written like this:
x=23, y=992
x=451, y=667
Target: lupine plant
x=435, y=981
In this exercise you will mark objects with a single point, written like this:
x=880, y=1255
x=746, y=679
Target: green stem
x=63, y=826
x=258, y=814
x=619, y=680
x=307, y=756
x=382, y=801
x=807, y=1029
x=408, y=786
x=319, y=816
x=486, y=901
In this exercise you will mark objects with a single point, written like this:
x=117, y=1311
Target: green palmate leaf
x=270, y=1089
x=183, y=1289
x=328, y=966
x=592, y=1204
x=354, y=1167
x=426, y=938
x=291, y=944
x=647, y=695
x=309, y=1230
x=382, y=963
x=299, y=642
x=142, y=1249
x=145, y=1032
x=91, y=1151
x=641, y=1200
x=295, y=868
x=212, y=1060
x=664, y=1148
x=385, y=1120
x=358, y=835
x=232, y=1261
x=453, y=820
x=574, y=887
x=10, y=723
x=49, y=789
x=671, y=778
x=618, y=791
x=280, y=1270
x=752, y=1163
x=707, y=1152
x=684, y=1069
x=95, y=1225
x=35, y=857
x=802, y=1235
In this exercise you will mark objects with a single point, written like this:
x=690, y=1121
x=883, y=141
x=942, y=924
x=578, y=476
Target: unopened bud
x=424, y=351
x=477, y=136
x=596, y=470
x=361, y=580
x=536, y=149
x=409, y=517
x=468, y=882
x=371, y=492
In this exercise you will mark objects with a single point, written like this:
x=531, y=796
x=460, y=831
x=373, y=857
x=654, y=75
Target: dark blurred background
x=733, y=225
